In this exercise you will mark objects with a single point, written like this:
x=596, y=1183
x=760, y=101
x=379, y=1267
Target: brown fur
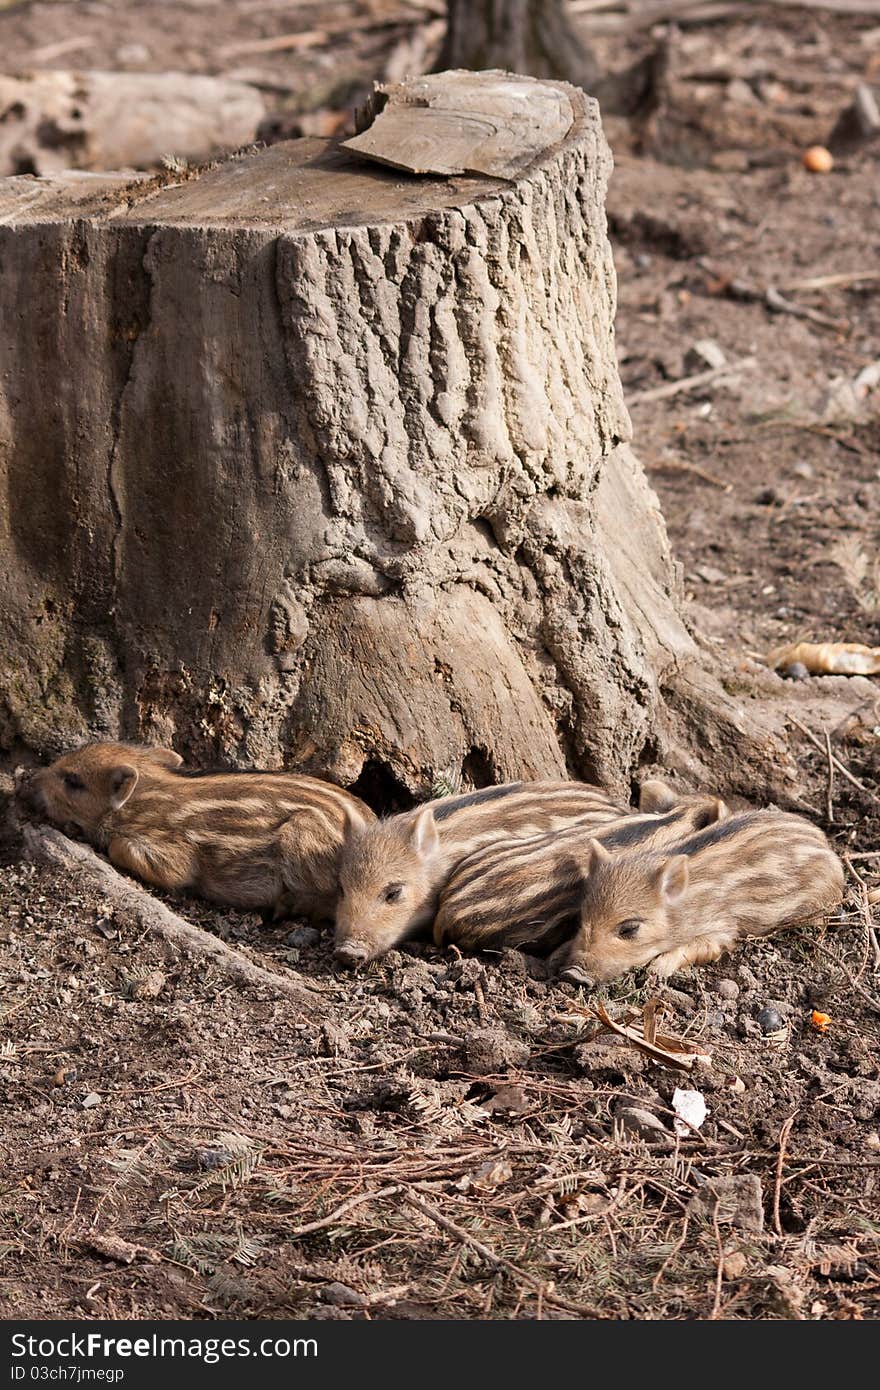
x=391, y=872
x=250, y=840
x=758, y=872
x=526, y=892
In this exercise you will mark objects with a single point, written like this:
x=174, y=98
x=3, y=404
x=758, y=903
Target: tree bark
x=311, y=464
x=530, y=36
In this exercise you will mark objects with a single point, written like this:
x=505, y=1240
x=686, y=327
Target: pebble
x=746, y=977
x=209, y=1159
x=794, y=671
x=91, y=1100
x=635, y=1120
x=727, y=989
x=303, y=937
x=150, y=987
x=734, y=1265
x=685, y=1003
x=705, y=352
x=342, y=1294
x=770, y=1020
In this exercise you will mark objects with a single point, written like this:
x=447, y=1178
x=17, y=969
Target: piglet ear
x=656, y=795
x=165, y=757
x=673, y=877
x=355, y=822
x=423, y=834
x=123, y=780
x=596, y=854
x=718, y=810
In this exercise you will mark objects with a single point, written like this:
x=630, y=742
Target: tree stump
x=311, y=463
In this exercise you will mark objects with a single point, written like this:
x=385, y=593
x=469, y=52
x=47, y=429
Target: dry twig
x=690, y=383
x=784, y=1132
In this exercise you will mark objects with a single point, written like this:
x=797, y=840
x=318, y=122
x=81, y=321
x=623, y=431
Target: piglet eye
x=629, y=929
x=73, y=783
x=393, y=892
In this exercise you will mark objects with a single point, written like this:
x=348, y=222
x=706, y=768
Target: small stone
x=804, y=470
x=727, y=989
x=747, y=978
x=733, y=1201
x=734, y=1265
x=770, y=1021
x=507, y=1099
x=679, y=1000
x=334, y=1041
x=91, y=1100
x=746, y=1027
x=873, y=1140
x=794, y=671
x=210, y=1159
x=710, y=575
x=303, y=937
x=739, y=91
x=704, y=353
x=635, y=1120
x=150, y=987
x=492, y=1049
x=342, y=1294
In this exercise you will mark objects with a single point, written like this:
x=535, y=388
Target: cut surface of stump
x=311, y=462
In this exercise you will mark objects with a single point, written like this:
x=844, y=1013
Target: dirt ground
x=457, y=1139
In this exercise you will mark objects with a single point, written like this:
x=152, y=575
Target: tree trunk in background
x=310, y=463
x=530, y=36
x=537, y=37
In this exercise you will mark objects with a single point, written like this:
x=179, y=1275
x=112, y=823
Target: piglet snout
x=350, y=955
x=577, y=976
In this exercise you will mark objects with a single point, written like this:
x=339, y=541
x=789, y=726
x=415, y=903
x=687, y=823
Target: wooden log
x=50, y=121
x=311, y=463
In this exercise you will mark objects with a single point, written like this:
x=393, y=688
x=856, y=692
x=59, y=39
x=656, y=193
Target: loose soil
x=167, y=1135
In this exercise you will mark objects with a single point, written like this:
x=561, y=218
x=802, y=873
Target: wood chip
x=464, y=123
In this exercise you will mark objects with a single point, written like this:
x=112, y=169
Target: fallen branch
x=348, y=1206
x=736, y=288
x=46, y=846
x=690, y=383
x=494, y=1260
x=679, y=466
x=830, y=282
x=780, y=1163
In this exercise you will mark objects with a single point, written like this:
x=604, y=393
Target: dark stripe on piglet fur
x=449, y=808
